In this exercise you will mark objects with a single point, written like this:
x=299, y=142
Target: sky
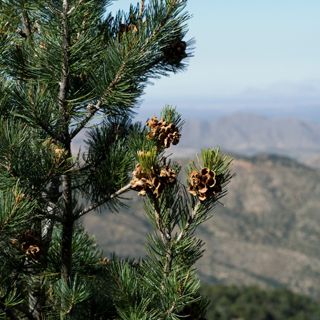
x=248, y=54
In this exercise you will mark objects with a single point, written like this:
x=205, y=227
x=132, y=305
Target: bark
x=68, y=219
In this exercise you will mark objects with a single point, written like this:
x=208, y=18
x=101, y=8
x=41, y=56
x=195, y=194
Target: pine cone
x=204, y=184
x=164, y=134
x=33, y=251
x=125, y=28
x=58, y=151
x=105, y=261
x=156, y=185
x=153, y=122
x=30, y=244
x=175, y=52
x=168, y=174
x=153, y=182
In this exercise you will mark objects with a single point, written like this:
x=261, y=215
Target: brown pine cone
x=30, y=244
x=153, y=181
x=164, y=134
x=204, y=184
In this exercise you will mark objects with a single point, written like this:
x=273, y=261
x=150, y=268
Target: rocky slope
x=267, y=233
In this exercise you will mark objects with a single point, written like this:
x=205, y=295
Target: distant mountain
x=247, y=134
x=250, y=134
x=268, y=232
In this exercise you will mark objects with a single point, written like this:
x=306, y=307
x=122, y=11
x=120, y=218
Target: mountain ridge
x=249, y=134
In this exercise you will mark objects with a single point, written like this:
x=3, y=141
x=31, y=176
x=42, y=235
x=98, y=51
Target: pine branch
x=67, y=231
x=9, y=313
x=78, y=62
x=95, y=108
x=49, y=131
x=189, y=222
x=65, y=66
x=169, y=259
x=149, y=69
x=104, y=200
x=26, y=23
x=165, y=235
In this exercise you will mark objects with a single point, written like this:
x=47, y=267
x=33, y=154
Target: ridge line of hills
x=250, y=134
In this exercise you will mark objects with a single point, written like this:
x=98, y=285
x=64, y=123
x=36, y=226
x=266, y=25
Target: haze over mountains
x=247, y=133
x=250, y=134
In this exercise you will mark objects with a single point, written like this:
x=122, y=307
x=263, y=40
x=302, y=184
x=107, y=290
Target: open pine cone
x=29, y=243
x=33, y=251
x=163, y=133
x=153, y=182
x=204, y=184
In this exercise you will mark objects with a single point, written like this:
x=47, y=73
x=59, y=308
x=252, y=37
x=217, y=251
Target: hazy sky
x=249, y=50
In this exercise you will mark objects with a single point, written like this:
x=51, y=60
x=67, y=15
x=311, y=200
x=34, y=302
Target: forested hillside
x=248, y=303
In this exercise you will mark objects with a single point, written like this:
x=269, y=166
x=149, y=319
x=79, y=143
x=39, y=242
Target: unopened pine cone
x=175, y=52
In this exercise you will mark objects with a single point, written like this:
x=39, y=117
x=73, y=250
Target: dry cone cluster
x=153, y=182
x=58, y=152
x=29, y=244
x=163, y=133
x=204, y=184
x=123, y=28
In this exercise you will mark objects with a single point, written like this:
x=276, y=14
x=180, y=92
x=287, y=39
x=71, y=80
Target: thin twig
x=86, y=120
x=141, y=11
x=104, y=200
x=166, y=237
x=95, y=108
x=26, y=23
x=189, y=222
x=63, y=85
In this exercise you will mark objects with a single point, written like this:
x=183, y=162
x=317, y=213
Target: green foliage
x=89, y=294
x=72, y=295
x=9, y=299
x=254, y=303
x=170, y=115
x=108, y=160
x=15, y=211
x=69, y=68
x=169, y=284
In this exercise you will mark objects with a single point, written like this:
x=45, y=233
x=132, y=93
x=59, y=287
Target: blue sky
x=255, y=52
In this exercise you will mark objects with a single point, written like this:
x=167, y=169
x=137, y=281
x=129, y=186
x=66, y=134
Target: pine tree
x=70, y=68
